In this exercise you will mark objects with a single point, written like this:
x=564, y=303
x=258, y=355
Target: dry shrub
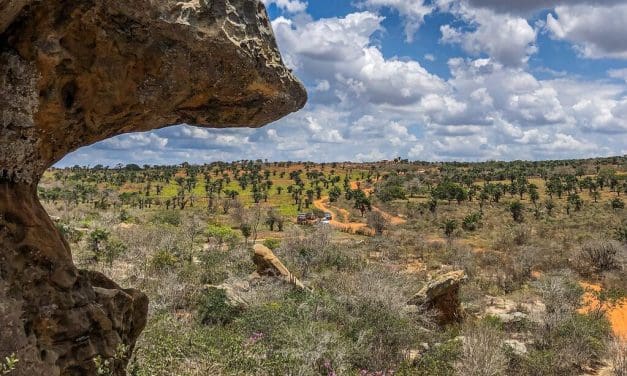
x=513, y=236
x=600, y=256
x=482, y=352
x=618, y=357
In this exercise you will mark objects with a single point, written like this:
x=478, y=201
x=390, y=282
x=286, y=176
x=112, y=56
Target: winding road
x=353, y=226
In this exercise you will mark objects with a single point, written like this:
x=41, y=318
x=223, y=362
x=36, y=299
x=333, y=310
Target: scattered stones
x=510, y=312
x=442, y=294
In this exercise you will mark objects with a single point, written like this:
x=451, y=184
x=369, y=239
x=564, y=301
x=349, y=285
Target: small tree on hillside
x=377, y=221
x=516, y=208
x=449, y=226
x=361, y=201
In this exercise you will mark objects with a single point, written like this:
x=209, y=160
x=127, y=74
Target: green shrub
x=214, y=308
x=69, y=233
x=471, y=222
x=272, y=243
x=437, y=361
x=222, y=234
x=215, y=268
x=104, y=247
x=163, y=260
x=167, y=217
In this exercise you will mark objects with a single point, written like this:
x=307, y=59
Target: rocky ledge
x=76, y=72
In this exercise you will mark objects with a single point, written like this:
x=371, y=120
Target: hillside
x=540, y=247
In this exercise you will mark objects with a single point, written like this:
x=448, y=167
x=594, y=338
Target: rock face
x=76, y=72
x=442, y=294
x=269, y=265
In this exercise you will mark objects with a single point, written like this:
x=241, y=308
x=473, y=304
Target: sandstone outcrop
x=442, y=294
x=76, y=72
x=269, y=265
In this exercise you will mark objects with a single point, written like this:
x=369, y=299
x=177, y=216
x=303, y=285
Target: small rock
x=517, y=347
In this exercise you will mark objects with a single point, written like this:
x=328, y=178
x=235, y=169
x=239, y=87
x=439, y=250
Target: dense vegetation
x=531, y=236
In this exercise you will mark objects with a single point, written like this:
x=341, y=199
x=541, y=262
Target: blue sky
x=426, y=80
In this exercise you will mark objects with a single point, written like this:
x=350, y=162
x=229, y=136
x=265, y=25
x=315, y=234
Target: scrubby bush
x=69, y=233
x=565, y=340
x=377, y=221
x=221, y=234
x=616, y=203
x=482, y=352
x=471, y=222
x=391, y=189
x=272, y=243
x=104, y=247
x=214, y=308
x=168, y=217
x=163, y=260
x=437, y=361
x=449, y=226
x=599, y=256
x=516, y=208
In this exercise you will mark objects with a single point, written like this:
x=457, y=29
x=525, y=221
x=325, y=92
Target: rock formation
x=269, y=265
x=76, y=72
x=442, y=294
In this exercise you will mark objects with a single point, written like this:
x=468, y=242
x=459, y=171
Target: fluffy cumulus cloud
x=596, y=31
x=413, y=12
x=340, y=50
x=506, y=38
x=366, y=104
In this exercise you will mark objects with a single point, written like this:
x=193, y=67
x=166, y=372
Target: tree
x=391, y=189
x=534, y=196
x=377, y=221
x=549, y=205
x=516, y=208
x=449, y=226
x=575, y=201
x=361, y=201
x=334, y=193
x=246, y=230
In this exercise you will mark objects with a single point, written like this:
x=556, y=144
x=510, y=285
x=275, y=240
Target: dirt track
x=354, y=226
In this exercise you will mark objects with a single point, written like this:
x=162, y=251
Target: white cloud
x=506, y=38
x=292, y=6
x=340, y=51
x=596, y=31
x=413, y=12
x=135, y=140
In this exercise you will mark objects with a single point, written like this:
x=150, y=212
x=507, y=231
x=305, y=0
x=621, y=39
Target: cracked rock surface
x=75, y=72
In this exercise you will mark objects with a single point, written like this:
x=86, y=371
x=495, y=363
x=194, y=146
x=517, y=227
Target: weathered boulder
x=442, y=294
x=76, y=72
x=269, y=265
